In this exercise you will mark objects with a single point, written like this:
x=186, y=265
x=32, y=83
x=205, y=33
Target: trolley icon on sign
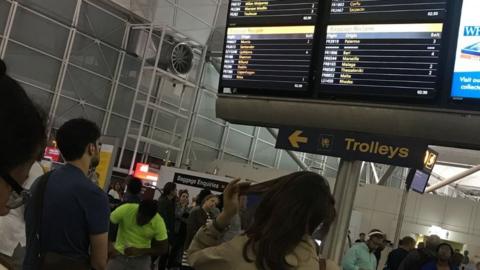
x=325, y=142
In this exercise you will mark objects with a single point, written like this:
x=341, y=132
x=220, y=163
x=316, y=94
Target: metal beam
x=375, y=174
x=453, y=179
x=386, y=175
x=291, y=153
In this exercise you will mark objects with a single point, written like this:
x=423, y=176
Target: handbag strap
x=322, y=264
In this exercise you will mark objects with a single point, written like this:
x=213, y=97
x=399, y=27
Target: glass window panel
x=330, y=173
x=188, y=99
x=211, y=77
x=61, y=10
x=172, y=92
x=123, y=101
x=265, y=153
x=101, y=25
x=233, y=158
x=130, y=70
x=161, y=136
x=266, y=136
x=131, y=145
x=39, y=33
x=207, y=105
x=83, y=85
x=287, y=163
x=178, y=141
x=139, y=108
x=238, y=143
x=94, y=56
x=117, y=127
x=208, y=132
x=31, y=66
x=170, y=123
x=332, y=162
x=4, y=10
x=68, y=109
x=201, y=155
x=40, y=97
x=163, y=153
x=246, y=129
x=146, y=80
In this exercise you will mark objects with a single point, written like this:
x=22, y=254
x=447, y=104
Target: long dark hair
x=168, y=189
x=294, y=206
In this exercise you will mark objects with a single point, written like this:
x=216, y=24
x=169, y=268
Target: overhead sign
x=200, y=182
x=405, y=152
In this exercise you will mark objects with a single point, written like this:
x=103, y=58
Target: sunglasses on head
x=20, y=195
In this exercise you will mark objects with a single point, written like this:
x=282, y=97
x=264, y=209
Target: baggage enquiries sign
x=199, y=182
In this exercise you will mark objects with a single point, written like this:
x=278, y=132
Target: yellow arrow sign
x=296, y=138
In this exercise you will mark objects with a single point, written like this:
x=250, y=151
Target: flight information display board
x=396, y=54
x=272, y=12
x=276, y=57
x=393, y=59
x=366, y=11
x=367, y=50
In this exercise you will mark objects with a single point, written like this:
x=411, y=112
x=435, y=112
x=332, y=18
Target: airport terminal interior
x=378, y=99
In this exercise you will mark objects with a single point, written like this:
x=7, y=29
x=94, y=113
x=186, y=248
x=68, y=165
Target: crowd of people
x=70, y=223
x=68, y=219
x=433, y=254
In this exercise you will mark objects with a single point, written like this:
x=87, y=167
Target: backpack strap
x=39, y=205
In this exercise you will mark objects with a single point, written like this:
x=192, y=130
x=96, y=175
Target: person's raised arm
x=206, y=248
x=99, y=251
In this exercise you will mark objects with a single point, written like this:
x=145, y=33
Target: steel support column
x=401, y=217
x=344, y=192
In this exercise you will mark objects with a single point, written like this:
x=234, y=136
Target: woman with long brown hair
x=292, y=208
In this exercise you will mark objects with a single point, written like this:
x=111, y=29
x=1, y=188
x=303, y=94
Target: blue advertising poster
x=466, y=77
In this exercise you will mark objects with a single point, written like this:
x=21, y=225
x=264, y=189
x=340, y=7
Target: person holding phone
x=291, y=209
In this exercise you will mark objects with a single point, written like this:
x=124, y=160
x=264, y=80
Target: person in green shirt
x=361, y=255
x=141, y=233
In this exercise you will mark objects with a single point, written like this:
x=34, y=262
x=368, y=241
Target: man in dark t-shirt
x=74, y=220
x=396, y=257
x=74, y=209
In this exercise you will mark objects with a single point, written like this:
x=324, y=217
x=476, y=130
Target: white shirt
x=114, y=194
x=12, y=226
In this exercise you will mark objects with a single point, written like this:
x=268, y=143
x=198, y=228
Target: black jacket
x=166, y=208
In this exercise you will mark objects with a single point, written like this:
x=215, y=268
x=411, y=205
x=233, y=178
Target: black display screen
x=419, y=181
x=383, y=59
x=275, y=57
x=383, y=47
x=340, y=48
x=272, y=12
x=386, y=11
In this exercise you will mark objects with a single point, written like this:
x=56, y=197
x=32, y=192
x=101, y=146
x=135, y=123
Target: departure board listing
x=393, y=59
x=272, y=12
x=401, y=11
x=268, y=57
